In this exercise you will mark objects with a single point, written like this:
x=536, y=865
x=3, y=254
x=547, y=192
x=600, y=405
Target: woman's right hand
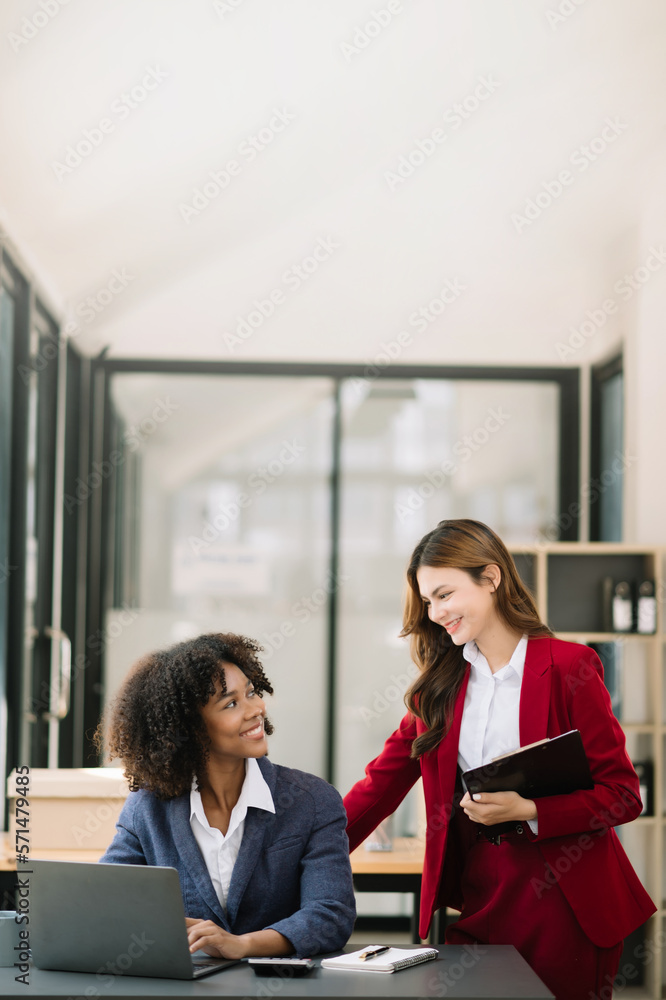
x=215, y=941
x=489, y=808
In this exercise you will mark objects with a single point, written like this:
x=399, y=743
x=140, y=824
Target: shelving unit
x=565, y=579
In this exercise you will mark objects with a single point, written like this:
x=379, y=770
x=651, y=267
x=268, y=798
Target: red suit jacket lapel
x=439, y=782
x=447, y=755
x=533, y=712
x=535, y=691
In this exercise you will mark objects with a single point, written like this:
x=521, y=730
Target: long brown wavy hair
x=470, y=546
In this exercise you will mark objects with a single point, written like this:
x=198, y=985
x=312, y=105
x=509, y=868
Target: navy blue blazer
x=292, y=873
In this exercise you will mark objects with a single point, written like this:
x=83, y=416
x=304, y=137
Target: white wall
x=555, y=84
x=528, y=294
x=645, y=409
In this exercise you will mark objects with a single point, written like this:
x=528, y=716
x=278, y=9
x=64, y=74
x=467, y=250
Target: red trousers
x=502, y=907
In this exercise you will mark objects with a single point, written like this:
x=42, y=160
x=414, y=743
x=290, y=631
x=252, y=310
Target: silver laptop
x=112, y=920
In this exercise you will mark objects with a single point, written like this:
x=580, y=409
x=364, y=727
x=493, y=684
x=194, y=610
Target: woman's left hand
x=489, y=808
x=215, y=941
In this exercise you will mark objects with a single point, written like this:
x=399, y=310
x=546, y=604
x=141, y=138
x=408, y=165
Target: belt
x=501, y=831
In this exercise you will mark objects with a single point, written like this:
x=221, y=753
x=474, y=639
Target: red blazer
x=562, y=689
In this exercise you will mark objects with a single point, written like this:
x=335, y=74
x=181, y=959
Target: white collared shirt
x=490, y=721
x=220, y=851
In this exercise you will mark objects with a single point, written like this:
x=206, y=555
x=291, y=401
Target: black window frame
x=599, y=375
x=102, y=573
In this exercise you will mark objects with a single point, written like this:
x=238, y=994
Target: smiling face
x=454, y=600
x=234, y=720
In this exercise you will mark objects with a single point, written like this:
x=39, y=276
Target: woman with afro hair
x=260, y=849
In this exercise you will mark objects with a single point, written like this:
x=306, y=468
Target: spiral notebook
x=390, y=961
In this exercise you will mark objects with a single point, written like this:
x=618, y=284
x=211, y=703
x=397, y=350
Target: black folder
x=551, y=767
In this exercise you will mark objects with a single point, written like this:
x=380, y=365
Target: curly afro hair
x=155, y=725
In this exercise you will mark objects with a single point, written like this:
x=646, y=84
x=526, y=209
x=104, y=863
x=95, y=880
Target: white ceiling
x=228, y=65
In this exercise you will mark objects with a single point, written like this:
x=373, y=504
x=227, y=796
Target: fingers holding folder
x=490, y=808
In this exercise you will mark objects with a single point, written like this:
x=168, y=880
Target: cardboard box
x=71, y=808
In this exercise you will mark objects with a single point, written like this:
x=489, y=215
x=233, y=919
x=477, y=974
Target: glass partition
x=6, y=378
x=413, y=453
x=233, y=533
x=227, y=524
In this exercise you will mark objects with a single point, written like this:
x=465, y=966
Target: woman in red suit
x=547, y=875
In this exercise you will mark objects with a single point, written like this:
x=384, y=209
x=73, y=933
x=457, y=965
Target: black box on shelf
x=646, y=608
x=526, y=566
x=634, y=955
x=575, y=587
x=618, y=605
x=645, y=771
x=629, y=606
x=611, y=656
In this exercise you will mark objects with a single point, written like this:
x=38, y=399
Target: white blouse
x=219, y=851
x=490, y=723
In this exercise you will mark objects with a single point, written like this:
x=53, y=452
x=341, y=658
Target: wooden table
x=398, y=870
x=8, y=865
x=8, y=854
x=406, y=858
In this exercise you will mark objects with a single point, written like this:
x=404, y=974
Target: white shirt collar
x=255, y=792
x=473, y=654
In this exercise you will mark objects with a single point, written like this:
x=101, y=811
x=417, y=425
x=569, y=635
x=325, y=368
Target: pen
x=372, y=953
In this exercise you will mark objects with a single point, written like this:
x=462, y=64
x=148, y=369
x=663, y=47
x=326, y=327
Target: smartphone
x=283, y=967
